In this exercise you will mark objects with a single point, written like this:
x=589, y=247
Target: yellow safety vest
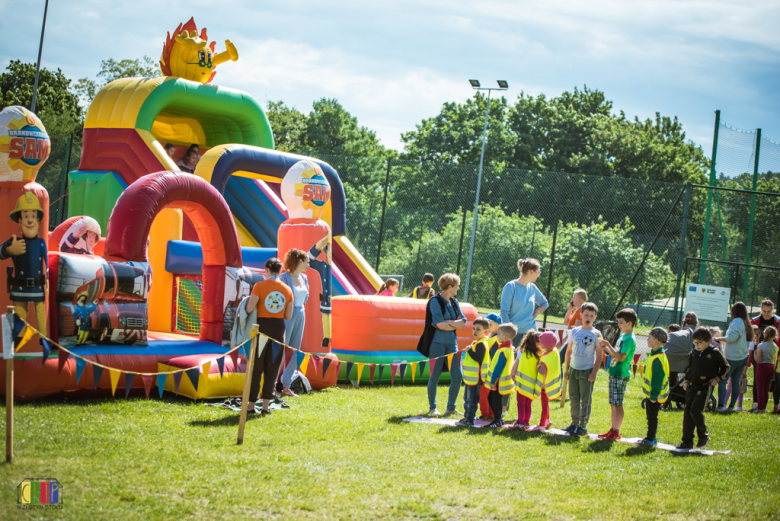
x=552, y=382
x=528, y=382
x=471, y=368
x=505, y=383
x=647, y=386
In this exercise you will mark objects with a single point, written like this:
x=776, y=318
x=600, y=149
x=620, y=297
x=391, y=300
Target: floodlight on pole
x=502, y=85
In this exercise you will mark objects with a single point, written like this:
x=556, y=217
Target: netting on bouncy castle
x=188, y=297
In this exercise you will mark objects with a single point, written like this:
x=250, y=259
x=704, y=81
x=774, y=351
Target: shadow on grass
x=597, y=446
x=226, y=421
x=638, y=450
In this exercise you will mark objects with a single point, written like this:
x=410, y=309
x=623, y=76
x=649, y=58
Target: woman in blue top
x=295, y=263
x=445, y=341
x=521, y=300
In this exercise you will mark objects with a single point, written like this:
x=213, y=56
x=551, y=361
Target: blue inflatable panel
x=241, y=213
x=269, y=217
x=186, y=257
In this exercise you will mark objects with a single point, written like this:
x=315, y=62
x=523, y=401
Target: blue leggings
x=456, y=375
x=294, y=328
x=735, y=375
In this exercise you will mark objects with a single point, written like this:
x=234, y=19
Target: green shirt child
x=625, y=344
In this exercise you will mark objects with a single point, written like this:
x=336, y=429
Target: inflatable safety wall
x=238, y=285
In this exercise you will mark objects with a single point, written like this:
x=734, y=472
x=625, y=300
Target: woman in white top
x=295, y=263
x=737, y=337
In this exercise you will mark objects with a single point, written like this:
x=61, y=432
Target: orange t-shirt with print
x=274, y=297
x=574, y=317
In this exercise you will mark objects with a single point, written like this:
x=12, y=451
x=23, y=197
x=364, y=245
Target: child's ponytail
x=530, y=345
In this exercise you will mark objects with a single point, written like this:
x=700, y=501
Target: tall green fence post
x=713, y=182
x=752, y=216
x=552, y=251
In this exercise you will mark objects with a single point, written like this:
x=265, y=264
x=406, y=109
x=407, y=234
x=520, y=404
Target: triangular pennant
x=177, y=381
x=299, y=356
x=234, y=357
x=403, y=371
x=129, y=377
x=26, y=336
x=360, y=372
x=80, y=365
x=381, y=369
x=275, y=348
x=206, y=369
x=305, y=364
x=221, y=365
x=449, y=361
x=413, y=367
x=161, y=382
x=46, y=347
x=194, y=376
x=354, y=383
x=393, y=369
x=371, y=369
x=18, y=325
x=349, y=370
x=97, y=372
x=148, y=380
x=422, y=367
x=315, y=362
x=325, y=364
x=338, y=368
x=114, y=374
x=62, y=356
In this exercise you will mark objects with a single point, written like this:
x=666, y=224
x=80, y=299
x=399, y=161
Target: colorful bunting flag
x=221, y=365
x=360, y=372
x=275, y=348
x=381, y=370
x=46, y=347
x=129, y=377
x=80, y=365
x=449, y=360
x=305, y=363
x=413, y=368
x=97, y=372
x=194, y=376
x=18, y=325
x=325, y=364
x=114, y=374
x=403, y=371
x=148, y=380
x=234, y=358
x=62, y=357
x=26, y=336
x=161, y=383
x=206, y=369
x=177, y=381
x=299, y=356
x=371, y=369
x=422, y=367
x=393, y=369
x=349, y=370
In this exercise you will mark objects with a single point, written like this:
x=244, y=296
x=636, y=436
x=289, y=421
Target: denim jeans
x=735, y=375
x=456, y=376
x=294, y=328
x=471, y=401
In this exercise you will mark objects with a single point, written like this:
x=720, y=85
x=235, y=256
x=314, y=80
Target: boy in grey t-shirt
x=583, y=359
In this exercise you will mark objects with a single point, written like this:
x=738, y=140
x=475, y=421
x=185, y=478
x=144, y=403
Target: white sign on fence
x=708, y=302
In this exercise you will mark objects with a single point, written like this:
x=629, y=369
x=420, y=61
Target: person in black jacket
x=706, y=367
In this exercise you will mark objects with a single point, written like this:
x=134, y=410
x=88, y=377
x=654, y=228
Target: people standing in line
x=274, y=303
x=536, y=375
x=425, y=291
x=766, y=319
x=621, y=357
x=296, y=262
x=582, y=367
x=655, y=385
x=499, y=379
x=766, y=360
x=737, y=337
x=521, y=300
x=573, y=317
x=445, y=318
x=706, y=368
x=388, y=288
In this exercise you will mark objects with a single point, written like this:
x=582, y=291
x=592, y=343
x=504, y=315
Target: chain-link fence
x=53, y=175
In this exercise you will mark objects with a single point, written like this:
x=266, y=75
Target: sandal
x=289, y=392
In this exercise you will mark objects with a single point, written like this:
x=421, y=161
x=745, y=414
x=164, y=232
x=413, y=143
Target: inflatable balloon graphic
x=305, y=190
x=24, y=144
x=192, y=57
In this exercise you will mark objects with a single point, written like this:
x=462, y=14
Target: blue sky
x=392, y=64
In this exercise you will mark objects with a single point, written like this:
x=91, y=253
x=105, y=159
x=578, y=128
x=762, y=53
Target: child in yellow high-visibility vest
x=494, y=319
x=529, y=373
x=475, y=368
x=498, y=380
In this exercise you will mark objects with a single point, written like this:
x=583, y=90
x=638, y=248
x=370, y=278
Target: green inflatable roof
x=94, y=194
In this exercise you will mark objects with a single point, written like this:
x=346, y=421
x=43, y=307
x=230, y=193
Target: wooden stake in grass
x=9, y=391
x=250, y=363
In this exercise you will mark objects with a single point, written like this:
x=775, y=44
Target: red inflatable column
x=305, y=191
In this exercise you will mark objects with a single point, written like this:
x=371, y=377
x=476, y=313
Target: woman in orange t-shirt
x=274, y=303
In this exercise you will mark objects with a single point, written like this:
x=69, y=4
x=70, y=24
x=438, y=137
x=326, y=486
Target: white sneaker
x=453, y=412
x=434, y=412
x=738, y=409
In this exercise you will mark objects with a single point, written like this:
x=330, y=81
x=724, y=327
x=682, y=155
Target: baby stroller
x=677, y=397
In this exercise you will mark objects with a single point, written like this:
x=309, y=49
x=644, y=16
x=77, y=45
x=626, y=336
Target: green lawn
x=345, y=454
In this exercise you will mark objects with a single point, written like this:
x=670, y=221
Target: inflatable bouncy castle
x=178, y=201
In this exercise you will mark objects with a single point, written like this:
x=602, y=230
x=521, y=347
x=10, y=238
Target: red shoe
x=613, y=435
x=606, y=436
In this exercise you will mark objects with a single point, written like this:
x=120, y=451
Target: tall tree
x=111, y=70
x=330, y=129
x=16, y=87
x=288, y=125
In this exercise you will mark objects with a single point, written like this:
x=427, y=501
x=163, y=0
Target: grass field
x=346, y=454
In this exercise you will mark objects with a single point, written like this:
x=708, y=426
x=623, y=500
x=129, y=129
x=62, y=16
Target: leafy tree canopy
x=111, y=70
x=16, y=88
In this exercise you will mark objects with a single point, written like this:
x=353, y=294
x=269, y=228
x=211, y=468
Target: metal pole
x=38, y=65
x=382, y=222
x=552, y=252
x=685, y=291
x=476, y=202
x=647, y=253
x=681, y=255
x=752, y=214
x=713, y=182
x=250, y=364
x=63, y=182
x=722, y=235
x=9, y=395
x=462, y=233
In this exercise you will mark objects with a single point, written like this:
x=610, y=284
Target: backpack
x=426, y=339
x=300, y=385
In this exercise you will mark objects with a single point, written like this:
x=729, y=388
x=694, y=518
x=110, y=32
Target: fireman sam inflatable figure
x=82, y=313
x=191, y=57
x=28, y=282
x=81, y=237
